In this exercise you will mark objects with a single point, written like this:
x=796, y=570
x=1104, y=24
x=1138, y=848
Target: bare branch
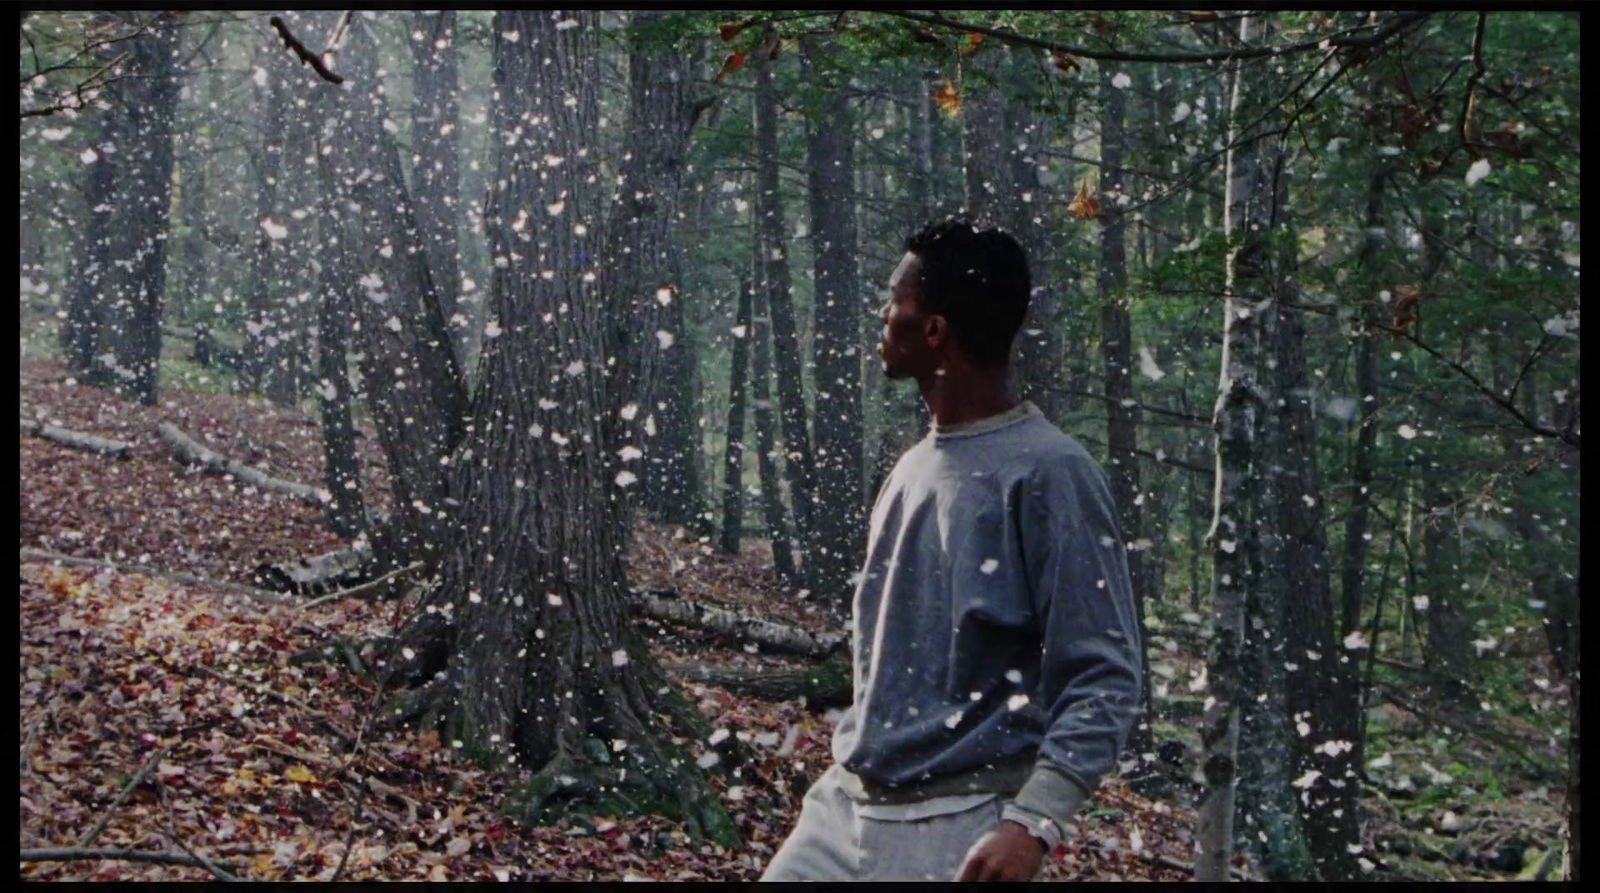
x=306, y=56
x=1344, y=39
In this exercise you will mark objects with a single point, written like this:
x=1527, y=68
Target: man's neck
x=965, y=394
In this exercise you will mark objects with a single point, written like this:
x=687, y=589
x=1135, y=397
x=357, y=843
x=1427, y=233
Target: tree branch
x=1567, y=437
x=306, y=56
x=1344, y=39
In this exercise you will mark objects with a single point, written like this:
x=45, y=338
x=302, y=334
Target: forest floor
x=169, y=716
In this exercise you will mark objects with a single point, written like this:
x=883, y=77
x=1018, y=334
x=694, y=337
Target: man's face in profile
x=903, y=346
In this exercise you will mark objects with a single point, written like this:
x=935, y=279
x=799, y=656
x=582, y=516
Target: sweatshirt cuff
x=1050, y=793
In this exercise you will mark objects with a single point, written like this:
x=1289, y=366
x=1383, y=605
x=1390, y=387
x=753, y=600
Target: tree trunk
x=840, y=534
x=733, y=457
x=1038, y=356
x=760, y=395
x=800, y=467
x=434, y=176
x=1238, y=403
x=147, y=106
x=651, y=340
x=1122, y=420
x=266, y=258
x=409, y=374
x=82, y=336
x=1366, y=412
x=541, y=668
x=346, y=512
x=985, y=141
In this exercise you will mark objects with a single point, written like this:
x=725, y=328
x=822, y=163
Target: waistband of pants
x=1004, y=777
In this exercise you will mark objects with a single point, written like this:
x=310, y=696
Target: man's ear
x=936, y=331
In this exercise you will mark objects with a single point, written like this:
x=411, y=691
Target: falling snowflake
x=624, y=478
x=619, y=658
x=665, y=338
x=988, y=566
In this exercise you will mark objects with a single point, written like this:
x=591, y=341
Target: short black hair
x=975, y=275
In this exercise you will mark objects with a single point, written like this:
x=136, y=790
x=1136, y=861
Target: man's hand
x=1008, y=853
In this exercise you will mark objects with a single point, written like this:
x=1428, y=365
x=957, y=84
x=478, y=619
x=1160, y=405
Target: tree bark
x=643, y=279
x=985, y=140
x=539, y=656
x=147, y=105
x=799, y=465
x=1238, y=403
x=840, y=534
x=1367, y=412
x=346, y=512
x=82, y=334
x=410, y=379
x=1038, y=356
x=772, y=510
x=266, y=258
x=733, y=456
x=1116, y=337
x=434, y=176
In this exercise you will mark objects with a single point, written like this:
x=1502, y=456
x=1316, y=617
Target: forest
x=448, y=437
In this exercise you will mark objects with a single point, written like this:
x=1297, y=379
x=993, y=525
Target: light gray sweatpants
x=834, y=841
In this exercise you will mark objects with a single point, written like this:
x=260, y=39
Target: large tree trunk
x=434, y=176
x=1238, y=402
x=410, y=379
x=147, y=106
x=1116, y=348
x=733, y=457
x=840, y=535
x=541, y=667
x=800, y=466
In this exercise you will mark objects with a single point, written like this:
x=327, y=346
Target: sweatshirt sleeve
x=1089, y=667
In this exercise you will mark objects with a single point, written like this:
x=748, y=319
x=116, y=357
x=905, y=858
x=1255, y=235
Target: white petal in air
x=988, y=566
x=624, y=478
x=1478, y=171
x=1147, y=365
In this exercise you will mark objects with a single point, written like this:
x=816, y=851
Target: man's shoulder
x=1043, y=446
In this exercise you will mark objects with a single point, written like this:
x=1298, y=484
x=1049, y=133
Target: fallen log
x=196, y=454
x=319, y=573
x=825, y=685
x=774, y=636
x=260, y=595
x=111, y=449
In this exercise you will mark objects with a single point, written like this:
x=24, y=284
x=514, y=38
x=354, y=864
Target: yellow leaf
x=948, y=98
x=1084, y=206
x=299, y=773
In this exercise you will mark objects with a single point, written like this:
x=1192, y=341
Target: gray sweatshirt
x=996, y=647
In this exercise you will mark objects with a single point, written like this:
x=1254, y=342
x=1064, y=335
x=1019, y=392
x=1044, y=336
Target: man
x=996, y=650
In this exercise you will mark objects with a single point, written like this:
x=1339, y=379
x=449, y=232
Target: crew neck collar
x=1022, y=410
